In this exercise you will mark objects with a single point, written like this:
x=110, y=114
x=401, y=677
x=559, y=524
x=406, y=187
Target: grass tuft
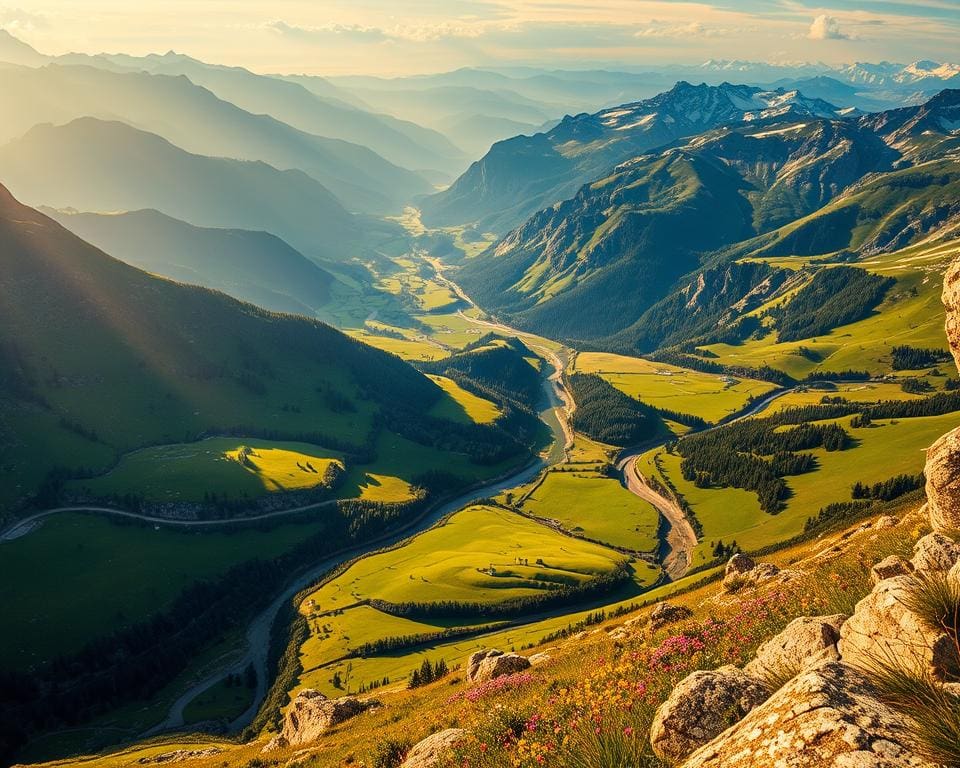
x=935, y=598
x=932, y=712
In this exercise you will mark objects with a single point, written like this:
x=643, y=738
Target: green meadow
x=910, y=315
x=189, y=471
x=880, y=451
x=596, y=507
x=479, y=554
x=708, y=395
x=91, y=572
x=463, y=406
x=473, y=556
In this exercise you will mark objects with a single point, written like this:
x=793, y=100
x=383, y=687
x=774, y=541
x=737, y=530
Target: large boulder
x=486, y=665
x=312, y=714
x=667, y=613
x=935, y=552
x=891, y=566
x=701, y=706
x=943, y=457
x=805, y=642
x=951, y=303
x=826, y=716
x=743, y=571
x=435, y=749
x=883, y=631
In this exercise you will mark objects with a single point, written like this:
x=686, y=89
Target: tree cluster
x=606, y=414
x=736, y=456
x=427, y=673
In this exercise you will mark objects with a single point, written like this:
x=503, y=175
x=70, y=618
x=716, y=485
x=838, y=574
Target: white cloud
x=672, y=29
x=826, y=27
x=418, y=33
x=18, y=20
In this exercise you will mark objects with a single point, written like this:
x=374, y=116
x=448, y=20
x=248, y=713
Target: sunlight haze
x=385, y=37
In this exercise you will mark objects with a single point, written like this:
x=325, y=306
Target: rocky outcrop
x=935, y=552
x=943, y=457
x=826, y=716
x=667, y=613
x=889, y=567
x=805, y=642
x=436, y=749
x=701, y=707
x=743, y=571
x=486, y=665
x=312, y=714
x=884, y=631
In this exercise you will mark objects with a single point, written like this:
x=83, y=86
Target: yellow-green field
x=463, y=406
x=473, y=556
x=596, y=507
x=188, y=471
x=911, y=314
x=710, y=396
x=881, y=451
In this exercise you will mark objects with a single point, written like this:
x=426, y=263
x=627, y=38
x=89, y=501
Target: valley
x=339, y=412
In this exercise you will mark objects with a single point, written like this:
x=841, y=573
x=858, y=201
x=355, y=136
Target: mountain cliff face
x=593, y=264
x=590, y=267
x=526, y=173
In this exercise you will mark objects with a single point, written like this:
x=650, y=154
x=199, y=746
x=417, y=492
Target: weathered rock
x=826, y=716
x=743, y=571
x=539, y=658
x=435, y=749
x=702, y=706
x=884, y=631
x=943, y=482
x=886, y=521
x=486, y=665
x=951, y=303
x=889, y=567
x=667, y=613
x=935, y=552
x=805, y=642
x=312, y=714
x=739, y=563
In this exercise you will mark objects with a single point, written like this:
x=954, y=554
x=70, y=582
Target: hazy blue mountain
x=401, y=142
x=94, y=165
x=196, y=120
x=251, y=266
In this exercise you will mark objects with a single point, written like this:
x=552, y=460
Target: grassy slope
x=411, y=715
x=185, y=472
x=881, y=451
x=463, y=406
x=80, y=586
x=597, y=507
x=449, y=562
x=911, y=314
x=709, y=396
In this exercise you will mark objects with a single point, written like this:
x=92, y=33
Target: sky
x=403, y=37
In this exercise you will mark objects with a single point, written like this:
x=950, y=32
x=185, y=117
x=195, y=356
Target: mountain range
x=252, y=266
x=522, y=175
x=93, y=165
x=797, y=181
x=360, y=179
